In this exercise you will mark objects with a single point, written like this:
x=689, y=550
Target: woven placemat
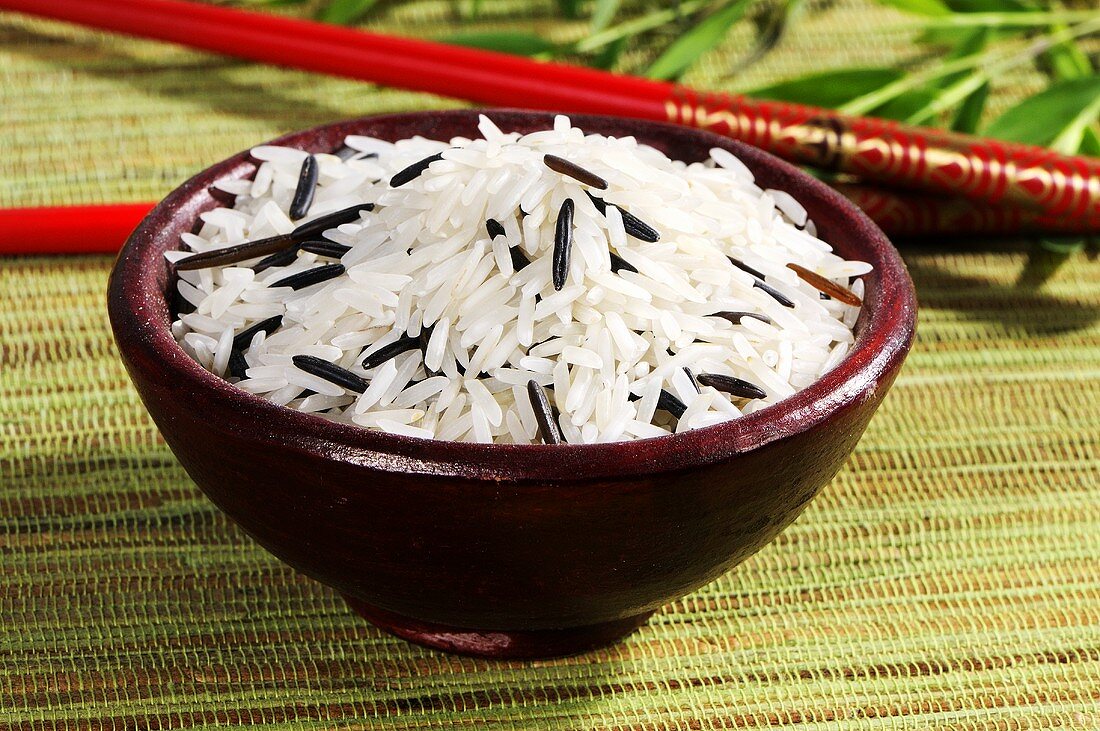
x=948, y=577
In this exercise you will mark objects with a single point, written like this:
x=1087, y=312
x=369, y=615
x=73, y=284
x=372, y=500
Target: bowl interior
x=142, y=288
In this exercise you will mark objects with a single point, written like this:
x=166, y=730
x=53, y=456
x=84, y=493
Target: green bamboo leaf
x=920, y=7
x=701, y=38
x=609, y=56
x=345, y=12
x=1059, y=115
x=972, y=42
x=1090, y=142
x=990, y=6
x=505, y=41
x=603, y=12
x=1067, y=61
x=969, y=114
x=569, y=8
x=830, y=88
x=905, y=105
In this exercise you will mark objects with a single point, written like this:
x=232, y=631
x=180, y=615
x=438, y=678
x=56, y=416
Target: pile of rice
x=618, y=354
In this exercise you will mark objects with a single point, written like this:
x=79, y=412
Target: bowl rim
x=139, y=313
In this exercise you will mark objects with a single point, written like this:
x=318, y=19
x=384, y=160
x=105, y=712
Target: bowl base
x=501, y=644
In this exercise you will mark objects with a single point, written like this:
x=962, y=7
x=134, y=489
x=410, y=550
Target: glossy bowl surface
x=507, y=550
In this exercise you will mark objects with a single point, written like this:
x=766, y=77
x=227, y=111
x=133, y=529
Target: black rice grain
x=327, y=249
x=308, y=278
x=331, y=372
x=617, y=263
x=494, y=228
x=279, y=259
x=733, y=386
x=667, y=402
x=563, y=243
x=307, y=186
x=735, y=316
x=244, y=338
x=346, y=153
x=234, y=254
x=634, y=226
x=638, y=228
x=544, y=415
x=412, y=172
x=237, y=364
x=519, y=259
x=318, y=226
x=694, y=382
x=394, y=349
x=575, y=171
x=773, y=292
x=745, y=267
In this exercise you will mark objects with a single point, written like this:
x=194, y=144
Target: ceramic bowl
x=507, y=550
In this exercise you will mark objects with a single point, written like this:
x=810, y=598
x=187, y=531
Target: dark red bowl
x=507, y=550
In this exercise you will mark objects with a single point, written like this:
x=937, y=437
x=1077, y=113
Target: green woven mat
x=949, y=577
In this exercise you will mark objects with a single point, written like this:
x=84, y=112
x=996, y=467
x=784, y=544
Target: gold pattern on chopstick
x=881, y=150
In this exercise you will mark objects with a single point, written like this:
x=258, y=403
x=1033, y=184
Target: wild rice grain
x=394, y=349
x=773, y=292
x=575, y=171
x=825, y=286
x=494, y=228
x=633, y=225
x=307, y=186
x=563, y=243
x=243, y=339
x=318, y=226
x=694, y=381
x=235, y=254
x=280, y=259
x=735, y=316
x=264, y=247
x=519, y=259
x=745, y=267
x=310, y=277
x=544, y=415
x=618, y=263
x=237, y=364
x=733, y=386
x=667, y=402
x=327, y=249
x=330, y=372
x=412, y=172
x=345, y=153
x=638, y=228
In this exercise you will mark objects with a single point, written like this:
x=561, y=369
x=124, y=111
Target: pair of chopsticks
x=959, y=183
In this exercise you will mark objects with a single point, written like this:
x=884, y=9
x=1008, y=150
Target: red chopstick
x=909, y=214
x=68, y=229
x=920, y=158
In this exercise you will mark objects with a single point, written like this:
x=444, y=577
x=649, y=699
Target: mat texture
x=948, y=578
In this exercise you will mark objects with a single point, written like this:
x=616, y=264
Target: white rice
x=607, y=343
